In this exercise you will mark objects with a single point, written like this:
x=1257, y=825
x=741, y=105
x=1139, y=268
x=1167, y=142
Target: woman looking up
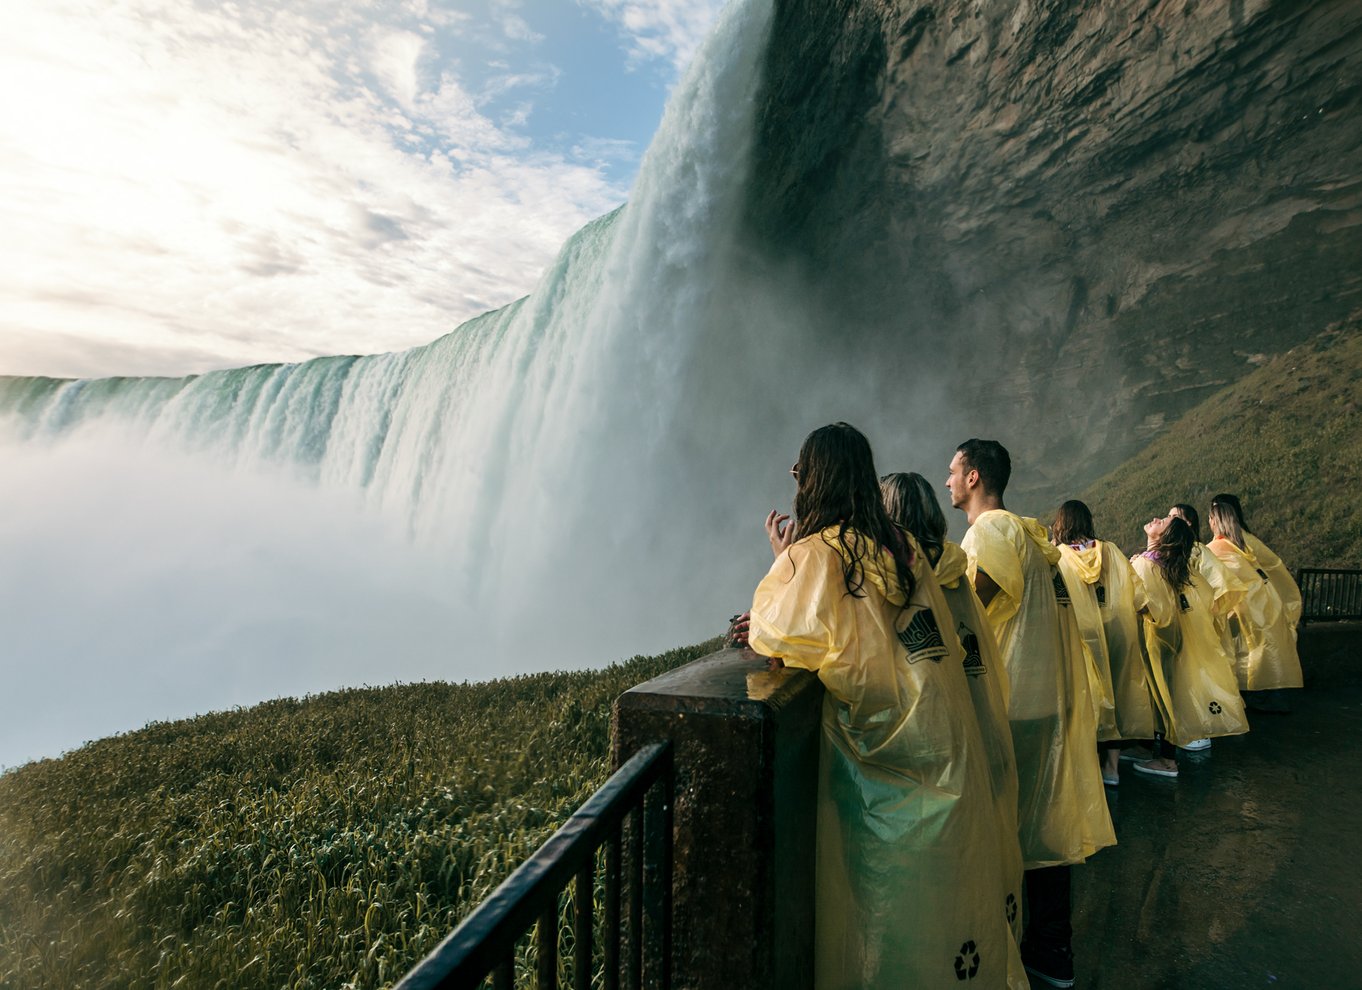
x=1264, y=635
x=1100, y=573
x=1193, y=680
x=908, y=861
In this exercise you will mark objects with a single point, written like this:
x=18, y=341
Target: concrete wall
x=746, y=779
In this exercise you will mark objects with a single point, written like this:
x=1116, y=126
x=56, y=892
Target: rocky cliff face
x=1075, y=218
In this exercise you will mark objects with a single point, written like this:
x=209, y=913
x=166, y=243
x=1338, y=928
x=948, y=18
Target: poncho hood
x=1035, y=531
x=1086, y=563
x=952, y=565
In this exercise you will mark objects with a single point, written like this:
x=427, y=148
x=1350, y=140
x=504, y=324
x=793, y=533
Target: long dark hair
x=1173, y=552
x=1073, y=524
x=1189, y=513
x=837, y=487
x=910, y=502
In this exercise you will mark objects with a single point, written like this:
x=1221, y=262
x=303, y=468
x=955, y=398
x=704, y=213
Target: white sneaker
x=1197, y=744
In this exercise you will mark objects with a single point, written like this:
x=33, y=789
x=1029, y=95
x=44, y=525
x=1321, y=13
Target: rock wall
x=1084, y=217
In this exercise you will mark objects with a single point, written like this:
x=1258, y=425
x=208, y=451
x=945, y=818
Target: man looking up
x=1062, y=811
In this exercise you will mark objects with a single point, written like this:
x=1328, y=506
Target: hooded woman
x=1262, y=625
x=1193, y=680
x=908, y=863
x=1102, y=579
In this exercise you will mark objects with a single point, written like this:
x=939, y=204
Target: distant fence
x=641, y=791
x=1330, y=594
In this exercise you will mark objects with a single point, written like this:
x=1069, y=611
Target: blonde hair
x=1225, y=522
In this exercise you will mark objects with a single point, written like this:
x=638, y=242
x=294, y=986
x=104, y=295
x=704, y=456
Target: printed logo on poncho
x=974, y=657
x=1183, y=604
x=1101, y=596
x=967, y=961
x=1214, y=708
x=1061, y=589
x=923, y=639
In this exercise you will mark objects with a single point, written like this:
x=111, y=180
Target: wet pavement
x=1245, y=871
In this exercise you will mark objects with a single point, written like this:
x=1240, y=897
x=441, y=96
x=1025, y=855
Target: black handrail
x=485, y=943
x=1330, y=594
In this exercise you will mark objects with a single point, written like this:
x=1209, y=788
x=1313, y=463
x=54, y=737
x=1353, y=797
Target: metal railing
x=1330, y=594
x=638, y=858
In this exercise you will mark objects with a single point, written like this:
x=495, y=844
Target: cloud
x=512, y=25
x=661, y=30
x=258, y=181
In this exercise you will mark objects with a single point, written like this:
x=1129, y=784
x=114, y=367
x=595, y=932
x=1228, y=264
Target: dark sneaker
x=1054, y=967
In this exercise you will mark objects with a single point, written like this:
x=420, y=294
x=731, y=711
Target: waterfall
x=563, y=482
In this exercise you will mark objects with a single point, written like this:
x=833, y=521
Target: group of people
x=979, y=697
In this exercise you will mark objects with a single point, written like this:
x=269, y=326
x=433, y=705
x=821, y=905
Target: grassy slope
x=1287, y=439
x=326, y=842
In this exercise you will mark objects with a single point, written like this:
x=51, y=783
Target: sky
x=187, y=185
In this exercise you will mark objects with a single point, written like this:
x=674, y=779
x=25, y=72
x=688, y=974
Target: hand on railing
x=737, y=630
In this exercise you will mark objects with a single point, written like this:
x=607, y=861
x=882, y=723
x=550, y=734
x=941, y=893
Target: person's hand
x=737, y=630
x=774, y=663
x=780, y=531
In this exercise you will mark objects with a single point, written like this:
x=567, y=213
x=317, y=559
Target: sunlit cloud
x=203, y=186
x=667, y=30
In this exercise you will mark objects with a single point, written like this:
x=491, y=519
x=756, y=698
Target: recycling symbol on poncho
x=1215, y=708
x=967, y=962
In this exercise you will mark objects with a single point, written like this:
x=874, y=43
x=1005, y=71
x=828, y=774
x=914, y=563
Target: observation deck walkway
x=1246, y=871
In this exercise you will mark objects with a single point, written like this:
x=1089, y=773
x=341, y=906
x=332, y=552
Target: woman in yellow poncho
x=1226, y=589
x=1106, y=602
x=1263, y=625
x=908, y=889
x=912, y=505
x=1192, y=678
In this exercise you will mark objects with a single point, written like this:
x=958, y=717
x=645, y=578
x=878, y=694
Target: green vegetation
x=326, y=842
x=1287, y=439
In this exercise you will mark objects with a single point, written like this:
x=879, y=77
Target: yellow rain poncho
x=1194, y=686
x=1062, y=810
x=988, y=689
x=1226, y=589
x=1287, y=588
x=1119, y=600
x=1265, y=655
x=908, y=872
x=1082, y=570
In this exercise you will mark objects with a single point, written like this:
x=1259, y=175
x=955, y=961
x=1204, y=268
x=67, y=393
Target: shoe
x=1196, y=745
x=1051, y=966
x=1147, y=766
x=1110, y=779
x=1137, y=754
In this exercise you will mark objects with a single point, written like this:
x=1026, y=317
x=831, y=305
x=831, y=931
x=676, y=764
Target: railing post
x=745, y=745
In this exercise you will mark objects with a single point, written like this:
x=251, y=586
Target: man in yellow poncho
x=1062, y=813
x=908, y=889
